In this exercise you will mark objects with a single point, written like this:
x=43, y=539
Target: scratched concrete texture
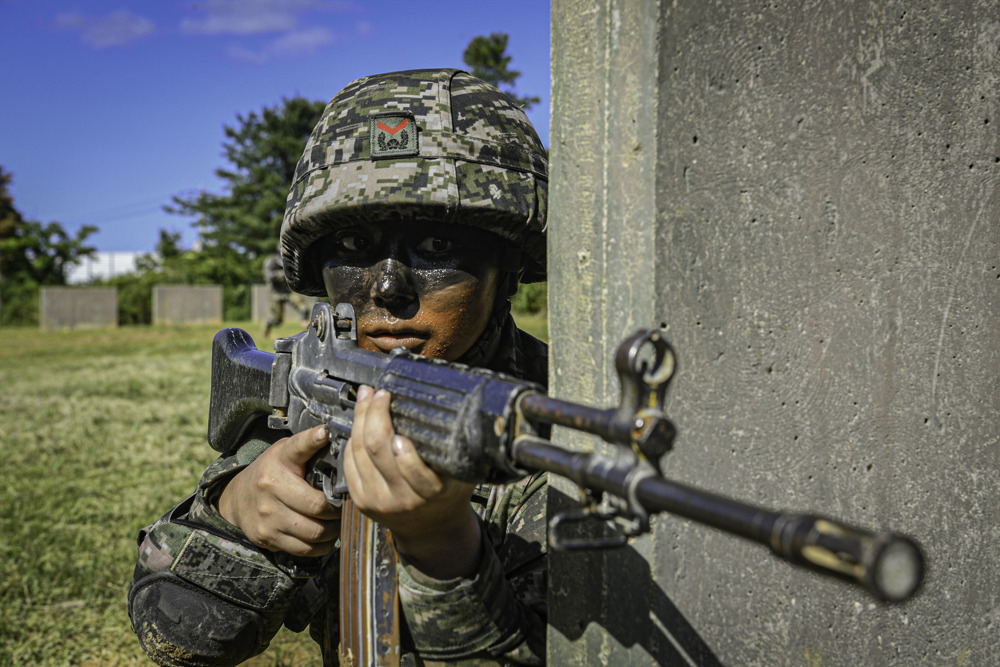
x=808, y=196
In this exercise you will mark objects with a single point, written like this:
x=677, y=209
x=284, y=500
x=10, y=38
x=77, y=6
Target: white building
x=101, y=266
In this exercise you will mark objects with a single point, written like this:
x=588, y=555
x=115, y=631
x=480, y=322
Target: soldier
x=279, y=294
x=420, y=199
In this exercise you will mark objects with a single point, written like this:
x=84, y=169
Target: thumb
x=301, y=447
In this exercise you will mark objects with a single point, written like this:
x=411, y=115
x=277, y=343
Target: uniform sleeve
x=202, y=593
x=498, y=615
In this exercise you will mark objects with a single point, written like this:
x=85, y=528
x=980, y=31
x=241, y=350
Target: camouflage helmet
x=422, y=145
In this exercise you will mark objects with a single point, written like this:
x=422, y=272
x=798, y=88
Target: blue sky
x=108, y=108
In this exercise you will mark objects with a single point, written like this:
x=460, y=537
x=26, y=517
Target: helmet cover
x=437, y=146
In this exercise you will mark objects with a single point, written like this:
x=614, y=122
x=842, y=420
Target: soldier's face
x=426, y=287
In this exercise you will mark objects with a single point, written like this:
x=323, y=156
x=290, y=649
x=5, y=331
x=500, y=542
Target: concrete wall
x=78, y=307
x=187, y=304
x=807, y=196
x=260, y=305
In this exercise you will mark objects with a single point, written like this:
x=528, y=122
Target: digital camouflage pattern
x=279, y=293
x=424, y=145
x=454, y=619
x=194, y=568
x=274, y=274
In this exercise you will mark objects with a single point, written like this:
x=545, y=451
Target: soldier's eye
x=354, y=242
x=436, y=245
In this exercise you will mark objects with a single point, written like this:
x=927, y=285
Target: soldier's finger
x=307, y=501
x=311, y=530
x=377, y=430
x=359, y=471
x=361, y=411
x=299, y=547
x=299, y=448
x=418, y=476
x=370, y=446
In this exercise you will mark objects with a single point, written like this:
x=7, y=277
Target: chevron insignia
x=393, y=134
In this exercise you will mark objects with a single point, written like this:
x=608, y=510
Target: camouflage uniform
x=427, y=146
x=280, y=293
x=203, y=594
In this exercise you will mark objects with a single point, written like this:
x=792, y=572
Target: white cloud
x=250, y=17
x=247, y=56
x=240, y=24
x=294, y=43
x=301, y=41
x=280, y=18
x=117, y=29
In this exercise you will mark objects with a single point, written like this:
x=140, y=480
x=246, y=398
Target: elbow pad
x=179, y=624
x=198, y=598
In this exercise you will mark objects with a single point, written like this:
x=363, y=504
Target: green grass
x=101, y=432
x=536, y=324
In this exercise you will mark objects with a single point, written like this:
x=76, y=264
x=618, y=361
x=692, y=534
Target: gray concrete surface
x=260, y=305
x=187, y=304
x=807, y=197
x=78, y=307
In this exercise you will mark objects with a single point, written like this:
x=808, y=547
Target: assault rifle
x=478, y=425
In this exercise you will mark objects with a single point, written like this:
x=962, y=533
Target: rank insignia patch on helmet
x=393, y=134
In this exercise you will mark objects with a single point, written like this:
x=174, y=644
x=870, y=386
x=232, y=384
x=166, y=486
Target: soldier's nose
x=393, y=284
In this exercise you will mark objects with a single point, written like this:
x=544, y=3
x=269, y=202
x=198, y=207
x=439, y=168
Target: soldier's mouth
x=386, y=340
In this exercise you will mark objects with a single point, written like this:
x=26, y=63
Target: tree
x=243, y=223
x=240, y=227
x=169, y=245
x=9, y=217
x=488, y=59
x=42, y=253
x=33, y=254
x=33, y=251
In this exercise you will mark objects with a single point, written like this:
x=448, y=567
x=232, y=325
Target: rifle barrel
x=540, y=408
x=888, y=565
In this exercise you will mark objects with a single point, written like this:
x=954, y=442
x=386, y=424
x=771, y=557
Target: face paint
x=427, y=287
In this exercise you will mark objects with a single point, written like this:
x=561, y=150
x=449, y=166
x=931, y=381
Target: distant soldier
x=280, y=294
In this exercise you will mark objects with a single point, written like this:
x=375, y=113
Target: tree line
x=237, y=229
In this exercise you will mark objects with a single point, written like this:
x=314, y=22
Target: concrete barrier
x=187, y=304
x=78, y=307
x=806, y=196
x=260, y=305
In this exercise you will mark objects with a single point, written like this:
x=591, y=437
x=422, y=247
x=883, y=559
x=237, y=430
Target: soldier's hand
x=275, y=507
x=430, y=517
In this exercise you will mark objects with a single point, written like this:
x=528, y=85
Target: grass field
x=101, y=432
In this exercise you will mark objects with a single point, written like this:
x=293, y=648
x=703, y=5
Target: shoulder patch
x=393, y=134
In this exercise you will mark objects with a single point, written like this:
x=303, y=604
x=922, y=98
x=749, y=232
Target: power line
x=128, y=210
